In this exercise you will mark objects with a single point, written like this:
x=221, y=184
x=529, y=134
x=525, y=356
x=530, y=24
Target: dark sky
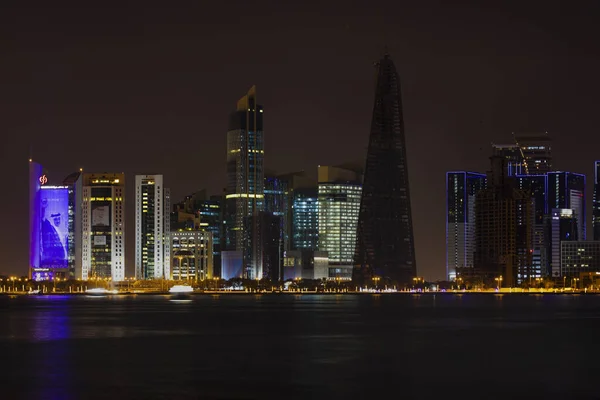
x=142, y=89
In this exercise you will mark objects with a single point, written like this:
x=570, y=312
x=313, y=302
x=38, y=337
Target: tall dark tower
x=385, y=244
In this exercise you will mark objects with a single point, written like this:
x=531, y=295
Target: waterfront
x=299, y=346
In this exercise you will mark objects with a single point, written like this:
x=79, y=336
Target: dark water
x=309, y=346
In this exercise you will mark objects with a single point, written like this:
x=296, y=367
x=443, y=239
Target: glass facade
x=579, y=257
x=339, y=205
x=596, y=202
x=305, y=219
x=567, y=190
x=461, y=189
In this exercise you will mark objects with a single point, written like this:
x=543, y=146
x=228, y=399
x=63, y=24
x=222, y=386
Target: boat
x=99, y=292
x=34, y=291
x=181, y=291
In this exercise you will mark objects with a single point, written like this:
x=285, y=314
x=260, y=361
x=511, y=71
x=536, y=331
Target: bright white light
x=181, y=289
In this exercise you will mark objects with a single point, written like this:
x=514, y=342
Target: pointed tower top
x=246, y=101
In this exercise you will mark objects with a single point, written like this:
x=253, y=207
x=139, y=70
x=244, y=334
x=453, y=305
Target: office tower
x=515, y=164
x=245, y=174
x=563, y=227
x=150, y=228
x=53, y=216
x=596, y=202
x=567, y=190
x=74, y=183
x=579, y=259
x=166, y=220
x=461, y=189
x=339, y=205
x=504, y=222
x=103, y=226
x=385, y=245
x=536, y=150
x=305, y=219
x=192, y=255
x=537, y=185
x=264, y=246
x=305, y=264
x=211, y=219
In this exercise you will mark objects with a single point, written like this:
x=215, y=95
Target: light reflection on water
x=229, y=346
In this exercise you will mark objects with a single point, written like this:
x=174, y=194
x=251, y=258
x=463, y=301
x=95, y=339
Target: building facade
x=596, y=202
x=339, y=193
x=305, y=219
x=504, y=229
x=567, y=190
x=385, y=245
x=461, y=189
x=191, y=255
x=536, y=150
x=245, y=174
x=103, y=226
x=305, y=264
x=563, y=227
x=151, y=226
x=579, y=258
x=537, y=185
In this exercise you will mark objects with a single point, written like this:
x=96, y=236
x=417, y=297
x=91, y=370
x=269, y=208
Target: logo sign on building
x=43, y=179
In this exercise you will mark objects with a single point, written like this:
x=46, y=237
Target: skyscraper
x=338, y=204
x=536, y=150
x=461, y=189
x=103, y=226
x=596, y=202
x=385, y=242
x=567, y=190
x=305, y=219
x=504, y=228
x=245, y=175
x=151, y=226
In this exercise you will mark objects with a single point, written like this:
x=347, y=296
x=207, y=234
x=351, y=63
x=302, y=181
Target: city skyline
x=60, y=98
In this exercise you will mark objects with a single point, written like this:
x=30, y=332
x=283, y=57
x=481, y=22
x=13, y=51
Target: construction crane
x=522, y=154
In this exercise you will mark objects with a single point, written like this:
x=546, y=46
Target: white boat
x=100, y=292
x=181, y=291
x=34, y=291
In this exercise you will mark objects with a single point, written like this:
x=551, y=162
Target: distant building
x=339, y=206
x=563, y=227
x=536, y=149
x=103, y=226
x=385, y=246
x=596, y=202
x=264, y=246
x=305, y=264
x=567, y=190
x=504, y=228
x=537, y=185
x=151, y=228
x=192, y=255
x=579, y=257
x=461, y=189
x=54, y=226
x=305, y=219
x=245, y=171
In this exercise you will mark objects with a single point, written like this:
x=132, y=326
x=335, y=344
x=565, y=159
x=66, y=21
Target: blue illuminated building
x=596, y=202
x=566, y=190
x=305, y=219
x=53, y=226
x=461, y=189
x=537, y=185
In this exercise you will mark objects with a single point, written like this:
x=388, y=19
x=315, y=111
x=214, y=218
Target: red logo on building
x=43, y=179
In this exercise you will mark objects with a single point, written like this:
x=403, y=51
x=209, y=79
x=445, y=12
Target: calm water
x=309, y=346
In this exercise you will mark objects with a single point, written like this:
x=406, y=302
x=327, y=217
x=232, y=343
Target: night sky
x=139, y=89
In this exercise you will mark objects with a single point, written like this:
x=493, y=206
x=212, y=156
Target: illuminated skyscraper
x=305, y=217
x=151, y=228
x=245, y=177
x=461, y=189
x=596, y=202
x=536, y=149
x=54, y=217
x=567, y=190
x=537, y=185
x=103, y=226
x=339, y=205
x=385, y=245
